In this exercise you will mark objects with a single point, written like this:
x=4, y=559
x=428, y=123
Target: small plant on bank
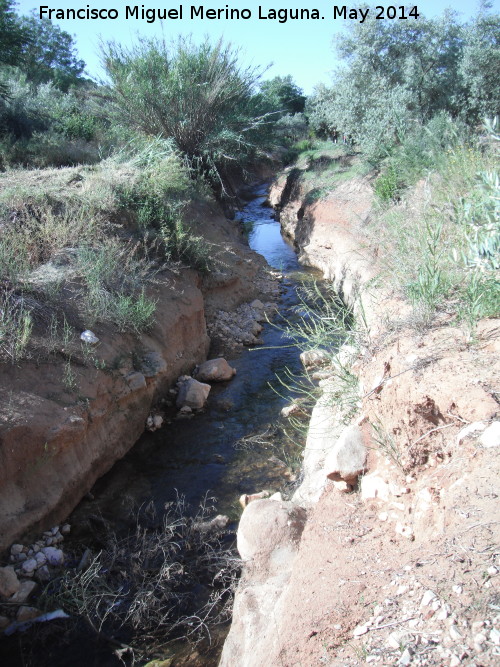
x=16, y=326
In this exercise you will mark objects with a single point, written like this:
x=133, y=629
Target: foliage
x=199, y=96
x=13, y=37
x=283, y=95
x=398, y=75
x=49, y=54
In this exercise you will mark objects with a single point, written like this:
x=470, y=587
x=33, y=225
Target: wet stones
x=214, y=370
x=192, y=393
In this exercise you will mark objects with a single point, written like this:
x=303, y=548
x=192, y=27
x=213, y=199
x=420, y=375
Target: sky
x=301, y=47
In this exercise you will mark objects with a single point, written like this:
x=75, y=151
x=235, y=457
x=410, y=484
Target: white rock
x=455, y=660
x=470, y=429
x=40, y=558
x=491, y=436
x=495, y=636
x=66, y=529
x=373, y=486
x=360, y=630
x=89, y=337
x=404, y=530
x=266, y=525
x=29, y=566
x=455, y=633
x=427, y=598
x=16, y=549
x=347, y=460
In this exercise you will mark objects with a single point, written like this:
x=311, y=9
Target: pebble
x=360, y=630
x=29, y=566
x=495, y=636
x=428, y=597
x=405, y=659
x=16, y=549
x=457, y=589
x=455, y=661
x=455, y=633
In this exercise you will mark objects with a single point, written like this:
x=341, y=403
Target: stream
x=238, y=445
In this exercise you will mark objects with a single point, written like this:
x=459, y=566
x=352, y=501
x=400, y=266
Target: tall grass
x=113, y=228
x=441, y=245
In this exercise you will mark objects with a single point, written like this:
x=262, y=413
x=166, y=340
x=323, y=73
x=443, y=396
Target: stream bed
x=238, y=445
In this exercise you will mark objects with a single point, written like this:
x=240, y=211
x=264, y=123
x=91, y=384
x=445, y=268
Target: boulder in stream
x=192, y=393
x=214, y=370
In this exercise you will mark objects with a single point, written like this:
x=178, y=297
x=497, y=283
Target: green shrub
x=388, y=186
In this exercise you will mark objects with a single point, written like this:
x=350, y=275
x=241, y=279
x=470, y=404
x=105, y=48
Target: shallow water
x=204, y=455
x=195, y=458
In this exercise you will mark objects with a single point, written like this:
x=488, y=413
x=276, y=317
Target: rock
x=491, y=436
x=495, y=636
x=185, y=410
x=455, y=633
x=214, y=370
x=245, y=499
x=40, y=558
x=16, y=549
x=29, y=566
x=27, y=614
x=373, y=486
x=314, y=358
x=9, y=583
x=404, y=531
x=428, y=597
x=267, y=524
x=257, y=303
x=89, y=337
x=214, y=525
x=470, y=429
x=135, y=381
x=43, y=574
x=152, y=363
x=405, y=659
x=192, y=394
x=154, y=422
x=347, y=460
x=360, y=630
x=54, y=556
x=66, y=529
x=294, y=410
x=25, y=590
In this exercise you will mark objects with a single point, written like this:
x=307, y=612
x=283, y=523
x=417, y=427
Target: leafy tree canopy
x=49, y=54
x=397, y=75
x=13, y=37
x=282, y=94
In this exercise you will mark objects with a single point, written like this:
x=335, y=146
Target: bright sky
x=302, y=48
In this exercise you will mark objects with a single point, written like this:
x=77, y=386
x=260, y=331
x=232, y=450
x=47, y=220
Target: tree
x=480, y=65
x=200, y=96
x=49, y=54
x=282, y=94
x=399, y=75
x=13, y=37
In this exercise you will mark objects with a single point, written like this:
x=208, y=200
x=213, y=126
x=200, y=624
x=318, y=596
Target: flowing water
x=210, y=454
